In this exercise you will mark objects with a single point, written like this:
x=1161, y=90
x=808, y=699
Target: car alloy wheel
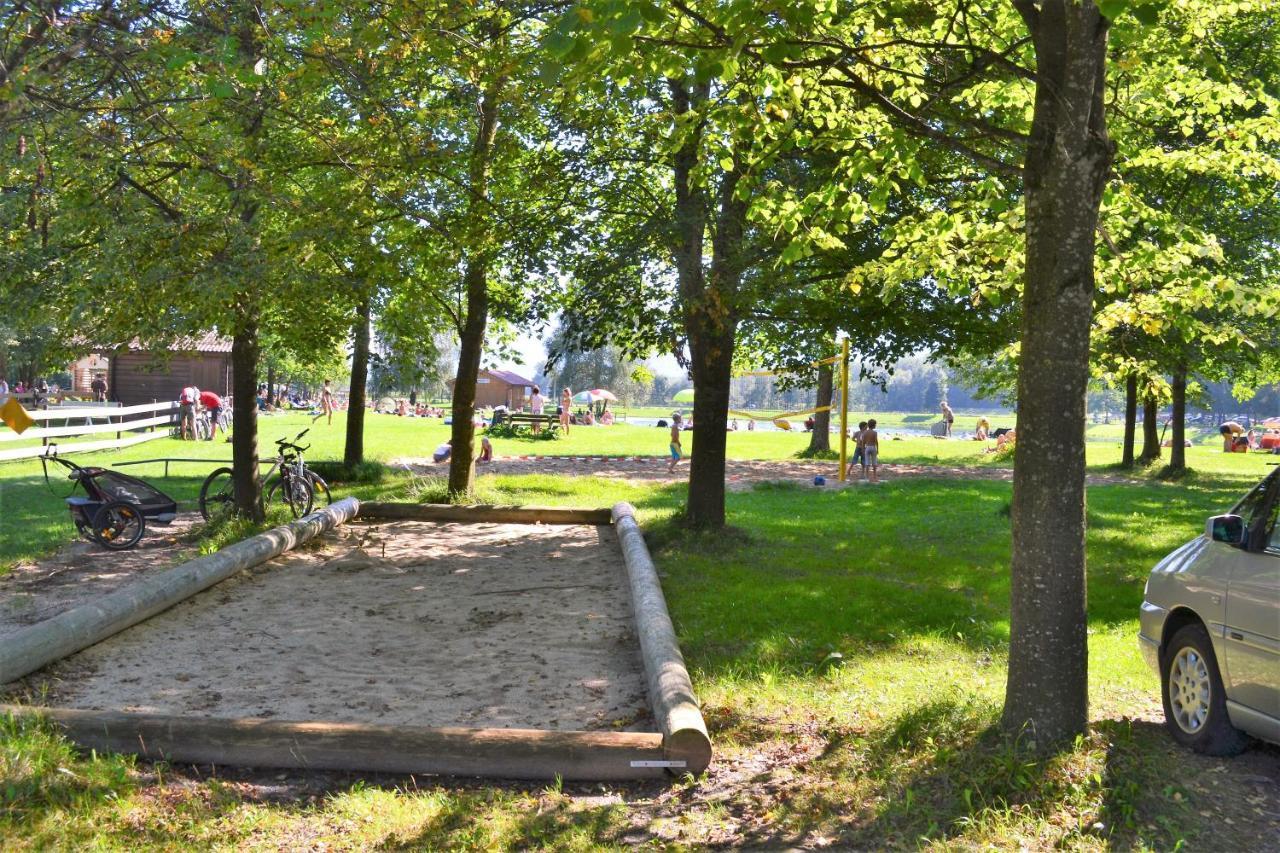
x=1189, y=690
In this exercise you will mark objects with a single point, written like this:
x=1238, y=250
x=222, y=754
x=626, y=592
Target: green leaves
x=1147, y=13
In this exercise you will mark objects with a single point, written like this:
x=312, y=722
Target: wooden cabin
x=501, y=388
x=138, y=375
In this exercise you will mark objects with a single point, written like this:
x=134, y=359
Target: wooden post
x=844, y=407
x=40, y=644
x=251, y=742
x=671, y=697
x=486, y=512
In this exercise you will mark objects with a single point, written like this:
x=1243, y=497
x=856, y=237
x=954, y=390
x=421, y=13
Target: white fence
x=89, y=419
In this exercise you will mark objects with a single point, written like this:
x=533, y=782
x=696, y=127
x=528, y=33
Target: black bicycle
x=115, y=508
x=288, y=480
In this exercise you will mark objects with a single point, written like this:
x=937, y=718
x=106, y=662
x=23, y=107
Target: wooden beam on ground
x=485, y=513
x=500, y=753
x=671, y=696
x=40, y=644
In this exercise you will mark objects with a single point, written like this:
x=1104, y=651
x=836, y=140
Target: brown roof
x=509, y=377
x=208, y=342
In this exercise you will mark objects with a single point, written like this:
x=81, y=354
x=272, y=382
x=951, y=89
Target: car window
x=1273, y=535
x=1251, y=503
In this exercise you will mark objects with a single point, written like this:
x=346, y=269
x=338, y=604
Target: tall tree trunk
x=820, y=439
x=462, y=464
x=1150, y=430
x=244, y=420
x=1178, y=452
x=711, y=349
x=353, y=453
x=475, y=279
x=271, y=385
x=1130, y=419
x=1068, y=159
x=707, y=299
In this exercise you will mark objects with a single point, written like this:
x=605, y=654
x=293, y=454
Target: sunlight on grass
x=850, y=645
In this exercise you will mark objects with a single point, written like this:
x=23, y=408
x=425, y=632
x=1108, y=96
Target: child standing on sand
x=675, y=447
x=871, y=451
x=857, y=449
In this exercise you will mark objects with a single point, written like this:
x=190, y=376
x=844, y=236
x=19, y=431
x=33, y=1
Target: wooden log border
x=485, y=512
x=683, y=745
x=671, y=696
x=503, y=753
x=39, y=645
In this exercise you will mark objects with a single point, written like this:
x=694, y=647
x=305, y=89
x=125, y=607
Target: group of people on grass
x=1236, y=439
x=276, y=399
x=41, y=390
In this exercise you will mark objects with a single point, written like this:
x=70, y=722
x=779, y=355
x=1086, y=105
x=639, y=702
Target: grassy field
x=33, y=519
x=849, y=648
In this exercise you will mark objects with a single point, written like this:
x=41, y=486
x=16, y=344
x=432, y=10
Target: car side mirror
x=1226, y=528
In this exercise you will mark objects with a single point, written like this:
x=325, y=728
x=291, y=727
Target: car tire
x=1195, y=702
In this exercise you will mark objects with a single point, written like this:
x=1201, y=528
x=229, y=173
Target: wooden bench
x=524, y=419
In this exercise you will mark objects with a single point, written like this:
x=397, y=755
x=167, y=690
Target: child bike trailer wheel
x=118, y=525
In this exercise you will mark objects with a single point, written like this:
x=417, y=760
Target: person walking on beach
x=675, y=448
x=871, y=451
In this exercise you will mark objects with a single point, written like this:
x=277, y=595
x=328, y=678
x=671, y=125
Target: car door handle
x=1236, y=636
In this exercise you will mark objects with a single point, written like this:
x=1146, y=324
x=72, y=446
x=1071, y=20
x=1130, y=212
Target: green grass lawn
x=849, y=648
x=33, y=519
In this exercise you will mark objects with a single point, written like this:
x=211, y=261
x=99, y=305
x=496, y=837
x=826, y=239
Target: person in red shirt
x=213, y=404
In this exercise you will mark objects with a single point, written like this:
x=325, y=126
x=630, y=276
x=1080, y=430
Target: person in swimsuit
x=566, y=403
x=674, y=447
x=871, y=451
x=326, y=402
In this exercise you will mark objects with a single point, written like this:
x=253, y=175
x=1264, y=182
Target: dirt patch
x=740, y=474
x=507, y=625
x=82, y=571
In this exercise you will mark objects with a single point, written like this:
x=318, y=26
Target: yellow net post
x=844, y=406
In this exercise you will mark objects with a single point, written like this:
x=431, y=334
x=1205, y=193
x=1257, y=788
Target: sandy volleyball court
x=433, y=624
x=740, y=474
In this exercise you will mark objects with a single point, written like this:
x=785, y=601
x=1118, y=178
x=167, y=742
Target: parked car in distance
x=1210, y=626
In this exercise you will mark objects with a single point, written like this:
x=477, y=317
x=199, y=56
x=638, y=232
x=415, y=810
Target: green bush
x=510, y=430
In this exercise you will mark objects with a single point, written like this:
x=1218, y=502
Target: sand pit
x=396, y=623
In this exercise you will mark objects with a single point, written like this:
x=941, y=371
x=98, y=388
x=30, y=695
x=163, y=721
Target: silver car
x=1210, y=626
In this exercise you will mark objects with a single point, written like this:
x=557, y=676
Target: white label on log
x=651, y=763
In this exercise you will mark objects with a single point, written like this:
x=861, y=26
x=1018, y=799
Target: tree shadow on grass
x=945, y=773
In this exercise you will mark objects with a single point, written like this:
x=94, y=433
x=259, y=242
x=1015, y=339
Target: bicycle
x=205, y=425
x=296, y=484
x=299, y=469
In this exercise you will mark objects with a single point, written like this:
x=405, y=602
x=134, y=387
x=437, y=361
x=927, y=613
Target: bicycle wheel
x=320, y=487
x=218, y=495
x=118, y=525
x=202, y=428
x=299, y=495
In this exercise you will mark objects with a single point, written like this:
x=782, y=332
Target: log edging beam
x=484, y=512
x=39, y=645
x=361, y=747
x=671, y=696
